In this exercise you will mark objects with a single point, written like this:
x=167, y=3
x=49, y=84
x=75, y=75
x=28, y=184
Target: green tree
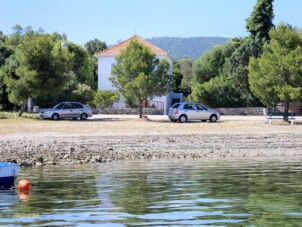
x=5, y=52
x=260, y=22
x=230, y=63
x=177, y=77
x=84, y=93
x=39, y=67
x=218, y=92
x=185, y=67
x=105, y=98
x=236, y=69
x=209, y=65
x=83, y=65
x=211, y=84
x=182, y=76
x=94, y=46
x=277, y=74
x=140, y=74
x=130, y=100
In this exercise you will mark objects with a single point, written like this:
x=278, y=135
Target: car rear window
x=176, y=105
x=76, y=106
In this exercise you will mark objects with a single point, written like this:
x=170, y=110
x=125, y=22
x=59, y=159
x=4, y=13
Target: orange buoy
x=24, y=184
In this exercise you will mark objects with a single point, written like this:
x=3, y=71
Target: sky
x=115, y=20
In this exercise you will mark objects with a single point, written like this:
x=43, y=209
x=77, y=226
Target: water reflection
x=159, y=193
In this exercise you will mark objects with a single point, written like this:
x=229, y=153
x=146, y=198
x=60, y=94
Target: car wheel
x=83, y=117
x=213, y=118
x=182, y=119
x=55, y=117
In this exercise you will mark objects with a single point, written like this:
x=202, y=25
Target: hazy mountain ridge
x=191, y=47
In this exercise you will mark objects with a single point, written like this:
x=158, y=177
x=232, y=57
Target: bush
x=105, y=98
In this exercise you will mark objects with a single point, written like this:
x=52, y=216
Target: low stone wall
x=153, y=111
x=241, y=111
x=131, y=111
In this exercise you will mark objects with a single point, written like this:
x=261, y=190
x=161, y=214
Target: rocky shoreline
x=62, y=150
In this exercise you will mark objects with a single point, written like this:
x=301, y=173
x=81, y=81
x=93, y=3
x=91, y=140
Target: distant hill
x=191, y=47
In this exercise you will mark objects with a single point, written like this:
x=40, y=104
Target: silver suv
x=62, y=110
x=185, y=111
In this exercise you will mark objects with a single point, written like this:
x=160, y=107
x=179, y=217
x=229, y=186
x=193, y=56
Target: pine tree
x=260, y=22
x=276, y=76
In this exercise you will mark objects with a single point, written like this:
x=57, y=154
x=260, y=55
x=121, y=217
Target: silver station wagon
x=64, y=110
x=186, y=111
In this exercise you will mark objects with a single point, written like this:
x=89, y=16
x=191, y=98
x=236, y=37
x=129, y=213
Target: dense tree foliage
x=216, y=92
x=209, y=65
x=277, y=74
x=83, y=65
x=182, y=75
x=260, y=22
x=38, y=67
x=139, y=74
x=105, y=98
x=213, y=83
x=208, y=77
x=5, y=52
x=177, y=77
x=230, y=62
x=34, y=64
x=94, y=46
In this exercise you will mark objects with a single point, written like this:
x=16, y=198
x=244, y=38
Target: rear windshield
x=176, y=105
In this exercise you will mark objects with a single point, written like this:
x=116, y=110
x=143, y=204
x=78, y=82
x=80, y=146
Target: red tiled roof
x=116, y=50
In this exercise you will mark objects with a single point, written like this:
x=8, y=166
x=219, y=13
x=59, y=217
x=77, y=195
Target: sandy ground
x=106, y=138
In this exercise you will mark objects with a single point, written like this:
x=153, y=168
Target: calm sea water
x=158, y=193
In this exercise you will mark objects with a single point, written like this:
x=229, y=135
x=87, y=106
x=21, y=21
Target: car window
x=59, y=106
x=200, y=107
x=189, y=106
x=176, y=105
x=76, y=106
x=68, y=106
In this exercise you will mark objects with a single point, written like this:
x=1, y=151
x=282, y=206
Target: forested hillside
x=191, y=47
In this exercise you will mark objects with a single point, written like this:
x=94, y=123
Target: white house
x=106, y=60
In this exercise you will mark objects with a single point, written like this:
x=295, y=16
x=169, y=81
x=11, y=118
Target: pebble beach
x=111, y=138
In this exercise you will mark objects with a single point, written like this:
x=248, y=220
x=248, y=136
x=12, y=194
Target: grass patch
x=8, y=115
x=14, y=115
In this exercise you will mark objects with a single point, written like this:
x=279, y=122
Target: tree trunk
x=286, y=107
x=30, y=105
x=140, y=109
x=21, y=111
